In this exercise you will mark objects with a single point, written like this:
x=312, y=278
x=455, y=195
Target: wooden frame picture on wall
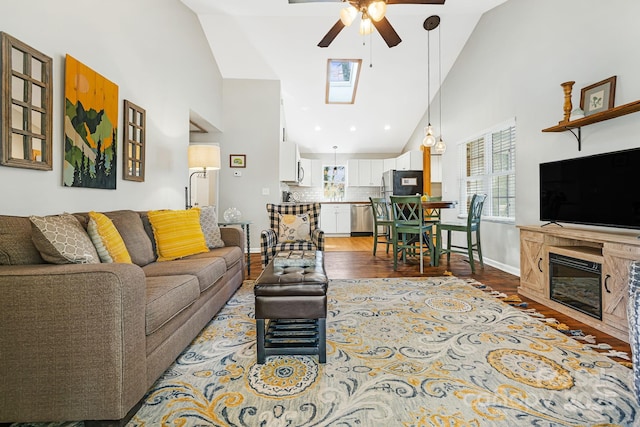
x=91, y=128
x=133, y=163
x=598, y=97
x=237, y=160
x=26, y=113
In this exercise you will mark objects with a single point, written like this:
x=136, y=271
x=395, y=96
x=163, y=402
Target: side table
x=245, y=227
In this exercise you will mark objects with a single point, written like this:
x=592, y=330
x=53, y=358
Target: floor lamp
x=201, y=156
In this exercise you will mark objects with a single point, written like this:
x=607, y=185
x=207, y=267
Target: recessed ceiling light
x=317, y=128
x=352, y=128
x=387, y=127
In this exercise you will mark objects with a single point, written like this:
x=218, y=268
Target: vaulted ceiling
x=275, y=40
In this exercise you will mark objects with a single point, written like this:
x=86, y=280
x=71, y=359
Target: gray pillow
x=61, y=239
x=210, y=228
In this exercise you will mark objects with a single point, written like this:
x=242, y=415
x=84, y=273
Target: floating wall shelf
x=612, y=113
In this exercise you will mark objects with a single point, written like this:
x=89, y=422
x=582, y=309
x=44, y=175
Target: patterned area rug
x=411, y=352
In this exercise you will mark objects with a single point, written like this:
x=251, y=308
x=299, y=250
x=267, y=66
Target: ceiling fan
x=372, y=11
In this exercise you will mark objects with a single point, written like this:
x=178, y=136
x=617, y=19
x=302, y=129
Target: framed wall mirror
x=134, y=142
x=26, y=115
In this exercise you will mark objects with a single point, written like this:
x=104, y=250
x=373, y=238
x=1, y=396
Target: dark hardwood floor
x=352, y=258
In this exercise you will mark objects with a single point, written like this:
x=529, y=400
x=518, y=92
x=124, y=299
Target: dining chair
x=410, y=228
x=470, y=227
x=381, y=220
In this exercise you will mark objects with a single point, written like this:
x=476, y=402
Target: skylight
x=342, y=80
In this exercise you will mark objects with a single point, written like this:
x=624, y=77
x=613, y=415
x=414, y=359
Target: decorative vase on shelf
x=232, y=215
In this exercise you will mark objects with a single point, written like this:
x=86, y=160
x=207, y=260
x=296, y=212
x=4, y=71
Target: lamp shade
x=204, y=156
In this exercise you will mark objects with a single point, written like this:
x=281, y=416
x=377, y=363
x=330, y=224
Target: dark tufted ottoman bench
x=294, y=299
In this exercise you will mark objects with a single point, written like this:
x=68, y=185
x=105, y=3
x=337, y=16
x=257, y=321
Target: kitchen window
x=488, y=166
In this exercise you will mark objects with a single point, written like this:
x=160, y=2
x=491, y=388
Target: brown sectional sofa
x=86, y=341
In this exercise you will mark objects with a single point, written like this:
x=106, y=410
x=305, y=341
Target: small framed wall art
x=134, y=142
x=237, y=160
x=598, y=97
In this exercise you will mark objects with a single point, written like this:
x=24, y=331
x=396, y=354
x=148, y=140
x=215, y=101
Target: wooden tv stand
x=614, y=250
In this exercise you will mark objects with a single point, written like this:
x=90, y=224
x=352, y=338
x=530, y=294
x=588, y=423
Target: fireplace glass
x=576, y=283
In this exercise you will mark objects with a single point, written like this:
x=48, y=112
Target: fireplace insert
x=576, y=283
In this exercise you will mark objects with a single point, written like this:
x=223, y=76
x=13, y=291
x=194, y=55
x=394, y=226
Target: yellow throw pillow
x=177, y=233
x=107, y=239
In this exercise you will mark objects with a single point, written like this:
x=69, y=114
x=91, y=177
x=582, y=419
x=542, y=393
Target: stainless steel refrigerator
x=401, y=183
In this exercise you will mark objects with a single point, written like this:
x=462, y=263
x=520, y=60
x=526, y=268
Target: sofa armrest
x=72, y=341
x=233, y=236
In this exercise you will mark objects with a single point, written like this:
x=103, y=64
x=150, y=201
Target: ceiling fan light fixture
x=429, y=140
x=366, y=27
x=347, y=15
x=377, y=10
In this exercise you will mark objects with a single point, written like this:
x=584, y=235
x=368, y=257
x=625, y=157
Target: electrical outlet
x=265, y=191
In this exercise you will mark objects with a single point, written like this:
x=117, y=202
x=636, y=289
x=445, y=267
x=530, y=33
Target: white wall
x=252, y=127
x=156, y=52
x=512, y=66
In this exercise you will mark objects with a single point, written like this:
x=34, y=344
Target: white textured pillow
x=210, y=228
x=60, y=239
x=294, y=228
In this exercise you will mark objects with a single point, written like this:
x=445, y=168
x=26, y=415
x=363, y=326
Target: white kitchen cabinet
x=364, y=172
x=289, y=159
x=335, y=218
x=377, y=167
x=388, y=164
x=353, y=174
x=316, y=173
x=411, y=160
x=369, y=172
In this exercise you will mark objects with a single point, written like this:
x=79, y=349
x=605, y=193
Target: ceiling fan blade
x=333, y=32
x=412, y=1
x=387, y=32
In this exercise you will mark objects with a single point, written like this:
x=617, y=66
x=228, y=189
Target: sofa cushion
x=166, y=297
x=16, y=246
x=136, y=239
x=107, y=239
x=231, y=255
x=210, y=228
x=207, y=270
x=60, y=239
x=177, y=233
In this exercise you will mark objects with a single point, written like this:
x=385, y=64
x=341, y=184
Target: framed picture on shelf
x=598, y=97
x=237, y=160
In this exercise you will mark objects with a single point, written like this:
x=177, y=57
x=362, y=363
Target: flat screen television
x=603, y=189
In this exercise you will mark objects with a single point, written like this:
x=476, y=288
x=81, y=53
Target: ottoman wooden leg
x=260, y=341
x=322, y=340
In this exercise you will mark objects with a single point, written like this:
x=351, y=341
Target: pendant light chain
x=429, y=77
x=440, y=76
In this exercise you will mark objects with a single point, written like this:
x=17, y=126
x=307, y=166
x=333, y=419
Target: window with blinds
x=488, y=164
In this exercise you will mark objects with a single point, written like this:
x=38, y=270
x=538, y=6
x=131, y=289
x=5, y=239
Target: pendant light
x=440, y=146
x=429, y=140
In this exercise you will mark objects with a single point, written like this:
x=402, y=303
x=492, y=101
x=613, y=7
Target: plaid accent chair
x=269, y=244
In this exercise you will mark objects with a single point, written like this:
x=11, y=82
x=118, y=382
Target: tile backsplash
x=316, y=194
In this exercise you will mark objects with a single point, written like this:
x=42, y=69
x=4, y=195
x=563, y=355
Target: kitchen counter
x=355, y=202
